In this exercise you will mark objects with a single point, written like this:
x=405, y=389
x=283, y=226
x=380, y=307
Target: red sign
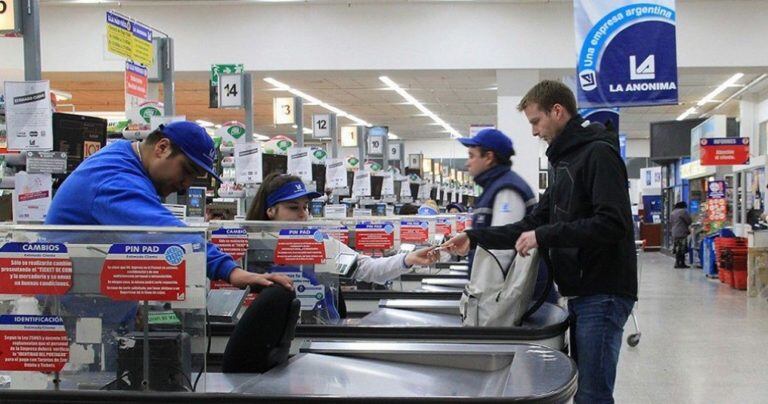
x=371, y=236
x=300, y=247
x=35, y=268
x=144, y=272
x=414, y=231
x=34, y=343
x=443, y=226
x=724, y=151
x=32, y=196
x=135, y=80
x=232, y=241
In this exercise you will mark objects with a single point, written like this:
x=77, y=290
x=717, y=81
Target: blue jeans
x=597, y=324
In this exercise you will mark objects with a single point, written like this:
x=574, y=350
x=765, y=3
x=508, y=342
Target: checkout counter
x=95, y=359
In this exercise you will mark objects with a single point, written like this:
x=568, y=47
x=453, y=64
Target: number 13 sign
x=283, y=110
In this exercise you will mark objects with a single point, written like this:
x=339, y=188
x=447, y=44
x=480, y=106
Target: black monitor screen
x=672, y=139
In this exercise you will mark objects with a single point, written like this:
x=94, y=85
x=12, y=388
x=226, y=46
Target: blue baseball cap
x=288, y=192
x=194, y=142
x=492, y=139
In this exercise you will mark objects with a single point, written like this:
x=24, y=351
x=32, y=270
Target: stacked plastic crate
x=731, y=253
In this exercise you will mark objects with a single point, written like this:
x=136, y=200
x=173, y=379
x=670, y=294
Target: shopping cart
x=634, y=339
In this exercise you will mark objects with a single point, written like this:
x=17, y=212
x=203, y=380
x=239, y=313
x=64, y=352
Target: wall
x=638, y=148
x=431, y=35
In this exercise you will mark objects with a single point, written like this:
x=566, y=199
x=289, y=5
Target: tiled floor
x=702, y=342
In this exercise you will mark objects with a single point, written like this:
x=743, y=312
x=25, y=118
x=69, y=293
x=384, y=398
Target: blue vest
x=494, y=180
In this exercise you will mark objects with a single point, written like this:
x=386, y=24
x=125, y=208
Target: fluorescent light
x=392, y=136
x=217, y=126
x=413, y=101
x=689, y=111
x=315, y=101
x=307, y=131
x=260, y=137
x=728, y=83
x=204, y=124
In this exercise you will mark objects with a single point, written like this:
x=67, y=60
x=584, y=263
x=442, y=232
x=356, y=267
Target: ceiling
x=460, y=97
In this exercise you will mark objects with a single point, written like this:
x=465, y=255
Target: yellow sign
x=129, y=39
x=8, y=20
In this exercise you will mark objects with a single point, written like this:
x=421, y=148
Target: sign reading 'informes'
x=35, y=268
x=724, y=151
x=144, y=272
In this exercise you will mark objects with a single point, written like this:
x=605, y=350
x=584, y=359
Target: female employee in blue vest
x=506, y=197
x=123, y=184
x=284, y=197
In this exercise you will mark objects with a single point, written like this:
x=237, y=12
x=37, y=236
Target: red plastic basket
x=739, y=280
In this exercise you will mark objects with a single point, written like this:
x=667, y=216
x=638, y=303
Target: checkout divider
x=409, y=309
x=113, y=304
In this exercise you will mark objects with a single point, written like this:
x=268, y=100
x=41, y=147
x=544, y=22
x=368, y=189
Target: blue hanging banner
x=602, y=115
x=627, y=53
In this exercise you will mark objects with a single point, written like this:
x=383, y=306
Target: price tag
x=361, y=212
x=283, y=110
x=230, y=91
x=335, y=211
x=321, y=126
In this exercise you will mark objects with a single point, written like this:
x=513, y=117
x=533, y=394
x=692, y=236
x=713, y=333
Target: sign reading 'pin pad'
x=145, y=272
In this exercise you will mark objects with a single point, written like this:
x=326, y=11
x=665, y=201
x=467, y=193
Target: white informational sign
x=335, y=211
x=376, y=145
x=156, y=121
x=361, y=212
x=335, y=173
x=348, y=136
x=248, y=168
x=31, y=197
x=300, y=163
x=414, y=161
x=28, y=114
x=231, y=91
x=405, y=189
x=362, y=184
x=283, y=110
x=424, y=190
x=650, y=181
x=388, y=184
x=395, y=151
x=321, y=126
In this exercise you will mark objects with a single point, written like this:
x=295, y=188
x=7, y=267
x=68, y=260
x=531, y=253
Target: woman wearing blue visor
x=284, y=197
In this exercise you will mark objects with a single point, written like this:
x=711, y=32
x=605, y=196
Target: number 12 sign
x=321, y=126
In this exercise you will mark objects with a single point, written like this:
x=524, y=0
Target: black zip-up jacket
x=583, y=218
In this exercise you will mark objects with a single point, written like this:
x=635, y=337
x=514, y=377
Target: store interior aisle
x=702, y=341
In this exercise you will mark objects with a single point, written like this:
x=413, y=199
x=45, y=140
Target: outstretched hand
x=422, y=257
x=241, y=279
x=458, y=244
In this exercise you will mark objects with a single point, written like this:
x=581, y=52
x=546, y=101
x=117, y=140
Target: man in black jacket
x=584, y=221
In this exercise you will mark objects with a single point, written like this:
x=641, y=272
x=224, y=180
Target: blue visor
x=288, y=192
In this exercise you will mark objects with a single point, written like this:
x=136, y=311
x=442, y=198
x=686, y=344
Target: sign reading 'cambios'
x=232, y=241
x=724, y=151
x=35, y=268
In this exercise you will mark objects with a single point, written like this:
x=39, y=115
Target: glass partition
x=102, y=308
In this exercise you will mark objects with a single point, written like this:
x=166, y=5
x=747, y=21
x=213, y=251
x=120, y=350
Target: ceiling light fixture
x=260, y=137
x=738, y=93
x=454, y=133
x=722, y=87
x=312, y=100
x=205, y=124
x=689, y=111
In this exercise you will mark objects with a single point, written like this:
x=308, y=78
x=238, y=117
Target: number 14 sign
x=230, y=91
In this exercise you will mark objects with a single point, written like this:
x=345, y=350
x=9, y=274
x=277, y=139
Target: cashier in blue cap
x=284, y=197
x=123, y=184
x=506, y=196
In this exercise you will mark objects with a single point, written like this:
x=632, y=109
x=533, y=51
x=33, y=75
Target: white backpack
x=495, y=296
